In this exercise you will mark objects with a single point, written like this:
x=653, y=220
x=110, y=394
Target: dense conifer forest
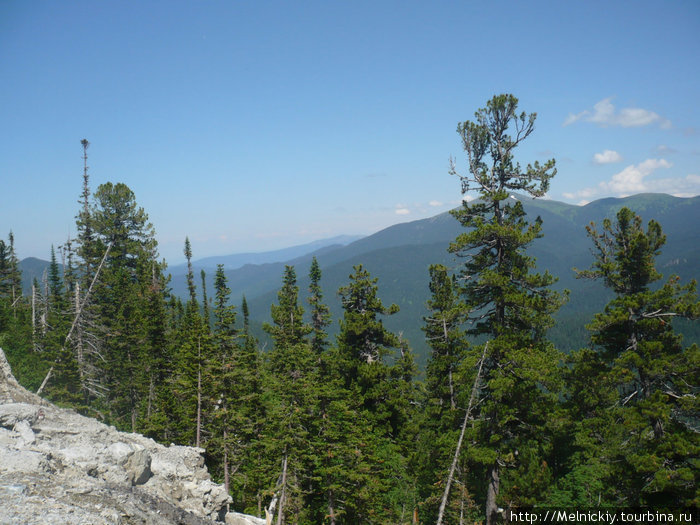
x=316, y=429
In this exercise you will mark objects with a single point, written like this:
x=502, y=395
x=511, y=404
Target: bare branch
x=77, y=317
x=450, y=476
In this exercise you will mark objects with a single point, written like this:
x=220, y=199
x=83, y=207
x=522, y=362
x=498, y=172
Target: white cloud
x=607, y=157
x=604, y=114
x=631, y=179
x=639, y=179
x=664, y=149
x=402, y=211
x=688, y=186
x=435, y=203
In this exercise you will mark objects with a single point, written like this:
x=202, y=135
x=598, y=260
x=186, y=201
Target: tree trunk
x=79, y=353
x=226, y=475
x=45, y=313
x=331, y=509
x=453, y=403
x=450, y=476
x=280, y=512
x=491, y=494
x=199, y=392
x=33, y=312
x=151, y=396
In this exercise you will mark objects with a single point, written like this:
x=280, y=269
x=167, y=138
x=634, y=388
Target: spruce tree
x=5, y=269
x=363, y=340
x=508, y=304
x=17, y=337
x=320, y=314
x=56, y=285
x=158, y=359
x=445, y=392
x=119, y=296
x=191, y=288
x=229, y=378
x=288, y=326
x=194, y=354
x=641, y=381
x=292, y=379
x=250, y=484
x=15, y=275
x=66, y=385
x=88, y=250
x=69, y=271
x=378, y=393
x=10, y=274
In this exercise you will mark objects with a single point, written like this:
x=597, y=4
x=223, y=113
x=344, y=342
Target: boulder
x=59, y=467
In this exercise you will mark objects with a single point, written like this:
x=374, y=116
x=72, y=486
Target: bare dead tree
x=77, y=316
x=450, y=476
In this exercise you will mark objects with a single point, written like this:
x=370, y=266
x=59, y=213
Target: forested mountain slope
x=401, y=254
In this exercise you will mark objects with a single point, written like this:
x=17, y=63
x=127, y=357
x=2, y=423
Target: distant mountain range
x=237, y=260
x=399, y=256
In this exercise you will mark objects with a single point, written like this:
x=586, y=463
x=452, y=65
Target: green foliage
x=16, y=334
x=507, y=303
x=292, y=379
x=384, y=397
x=320, y=314
x=119, y=297
x=288, y=326
x=445, y=392
x=642, y=396
x=342, y=433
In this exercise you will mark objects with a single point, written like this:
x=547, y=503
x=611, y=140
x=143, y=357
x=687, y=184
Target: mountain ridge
x=399, y=256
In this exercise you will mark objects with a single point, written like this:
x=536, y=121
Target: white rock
x=58, y=467
x=26, y=461
x=26, y=436
x=13, y=413
x=138, y=467
x=119, y=452
x=234, y=518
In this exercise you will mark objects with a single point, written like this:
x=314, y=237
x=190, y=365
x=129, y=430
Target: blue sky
x=251, y=126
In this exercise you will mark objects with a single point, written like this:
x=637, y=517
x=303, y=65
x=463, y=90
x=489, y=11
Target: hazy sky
x=254, y=125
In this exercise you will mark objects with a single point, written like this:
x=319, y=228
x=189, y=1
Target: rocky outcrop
x=58, y=467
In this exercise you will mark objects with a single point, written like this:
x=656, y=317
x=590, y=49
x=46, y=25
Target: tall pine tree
x=508, y=304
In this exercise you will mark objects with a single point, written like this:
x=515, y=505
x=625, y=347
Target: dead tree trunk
x=331, y=507
x=80, y=358
x=34, y=345
x=77, y=316
x=492, y=494
x=226, y=473
x=280, y=512
x=450, y=477
x=199, y=391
